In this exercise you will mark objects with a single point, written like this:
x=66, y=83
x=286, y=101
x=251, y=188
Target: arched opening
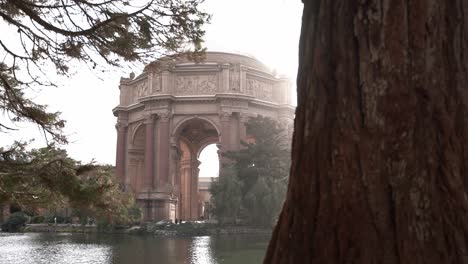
x=209, y=172
x=196, y=141
x=209, y=161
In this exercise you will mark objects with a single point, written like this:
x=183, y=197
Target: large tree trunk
x=380, y=151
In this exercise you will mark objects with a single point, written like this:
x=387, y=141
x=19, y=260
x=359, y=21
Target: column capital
x=243, y=117
x=149, y=119
x=164, y=116
x=121, y=125
x=176, y=153
x=196, y=163
x=225, y=116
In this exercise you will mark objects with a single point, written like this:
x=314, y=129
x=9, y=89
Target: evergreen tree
x=47, y=178
x=259, y=171
x=58, y=34
x=226, y=197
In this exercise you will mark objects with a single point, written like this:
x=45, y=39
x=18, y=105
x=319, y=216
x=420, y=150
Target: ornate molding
x=234, y=103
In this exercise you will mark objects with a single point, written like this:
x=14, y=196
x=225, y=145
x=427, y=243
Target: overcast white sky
x=266, y=29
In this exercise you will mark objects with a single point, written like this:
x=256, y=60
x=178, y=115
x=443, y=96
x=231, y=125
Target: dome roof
x=212, y=57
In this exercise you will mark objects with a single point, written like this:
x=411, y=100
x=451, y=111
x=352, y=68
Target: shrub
x=15, y=222
x=38, y=219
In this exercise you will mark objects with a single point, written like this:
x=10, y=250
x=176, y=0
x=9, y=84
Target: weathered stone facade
x=175, y=108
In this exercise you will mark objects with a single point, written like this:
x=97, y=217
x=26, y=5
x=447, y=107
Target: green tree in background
x=226, y=196
x=257, y=176
x=47, y=178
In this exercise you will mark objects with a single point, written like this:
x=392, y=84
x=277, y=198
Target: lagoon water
x=54, y=248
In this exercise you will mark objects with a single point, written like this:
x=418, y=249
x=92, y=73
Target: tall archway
x=193, y=136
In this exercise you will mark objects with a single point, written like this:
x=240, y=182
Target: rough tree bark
x=380, y=151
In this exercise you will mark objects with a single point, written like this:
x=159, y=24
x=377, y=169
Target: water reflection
x=123, y=249
x=32, y=248
x=201, y=251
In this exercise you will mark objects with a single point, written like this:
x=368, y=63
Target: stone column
x=194, y=189
x=120, y=155
x=164, y=147
x=243, y=118
x=225, y=118
x=185, y=181
x=174, y=156
x=148, y=182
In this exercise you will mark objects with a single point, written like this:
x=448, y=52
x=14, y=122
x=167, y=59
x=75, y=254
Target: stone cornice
x=129, y=108
x=288, y=107
x=265, y=103
x=234, y=96
x=159, y=97
x=197, y=67
x=260, y=74
x=202, y=98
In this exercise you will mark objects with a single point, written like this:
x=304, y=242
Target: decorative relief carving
x=260, y=89
x=141, y=89
x=234, y=77
x=196, y=84
x=156, y=85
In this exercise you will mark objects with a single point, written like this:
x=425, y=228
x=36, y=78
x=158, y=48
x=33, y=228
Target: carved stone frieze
x=260, y=89
x=196, y=84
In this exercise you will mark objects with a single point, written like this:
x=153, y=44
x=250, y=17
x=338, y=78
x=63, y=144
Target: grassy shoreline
x=185, y=229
